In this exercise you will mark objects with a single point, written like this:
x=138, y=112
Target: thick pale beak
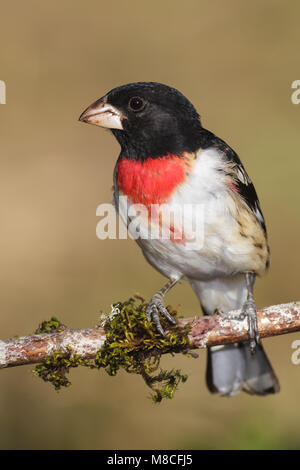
x=102, y=114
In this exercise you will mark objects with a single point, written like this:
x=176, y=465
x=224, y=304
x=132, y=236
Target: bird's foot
x=230, y=316
x=249, y=311
x=156, y=306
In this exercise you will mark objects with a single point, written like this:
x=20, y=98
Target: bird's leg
x=249, y=311
x=156, y=306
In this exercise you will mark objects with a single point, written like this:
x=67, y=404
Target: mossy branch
x=205, y=331
x=125, y=340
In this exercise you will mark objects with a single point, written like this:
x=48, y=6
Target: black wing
x=243, y=183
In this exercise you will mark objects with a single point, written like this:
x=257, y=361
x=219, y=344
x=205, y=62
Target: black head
x=148, y=119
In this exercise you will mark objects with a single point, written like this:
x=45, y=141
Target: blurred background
x=235, y=61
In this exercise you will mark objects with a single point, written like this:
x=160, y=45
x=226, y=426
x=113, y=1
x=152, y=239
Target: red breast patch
x=151, y=181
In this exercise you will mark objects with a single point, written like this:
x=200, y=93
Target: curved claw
x=156, y=306
x=249, y=312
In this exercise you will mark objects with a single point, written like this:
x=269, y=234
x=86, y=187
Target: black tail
x=232, y=368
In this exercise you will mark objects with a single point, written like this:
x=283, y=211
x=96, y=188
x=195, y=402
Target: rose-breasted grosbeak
x=168, y=158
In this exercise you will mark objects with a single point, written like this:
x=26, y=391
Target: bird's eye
x=136, y=103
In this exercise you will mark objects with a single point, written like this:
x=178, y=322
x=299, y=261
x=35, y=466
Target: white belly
x=214, y=247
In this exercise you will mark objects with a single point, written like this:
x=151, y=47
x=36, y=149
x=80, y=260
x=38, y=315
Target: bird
x=169, y=162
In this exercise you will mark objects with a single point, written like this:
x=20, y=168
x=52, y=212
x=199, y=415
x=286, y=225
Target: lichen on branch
x=132, y=344
x=125, y=340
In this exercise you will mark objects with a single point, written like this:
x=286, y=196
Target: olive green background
x=235, y=61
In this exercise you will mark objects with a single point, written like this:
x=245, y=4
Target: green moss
x=56, y=367
x=49, y=326
x=132, y=344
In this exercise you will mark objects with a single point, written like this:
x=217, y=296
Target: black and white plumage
x=168, y=159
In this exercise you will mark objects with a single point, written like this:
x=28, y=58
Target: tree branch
x=205, y=331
